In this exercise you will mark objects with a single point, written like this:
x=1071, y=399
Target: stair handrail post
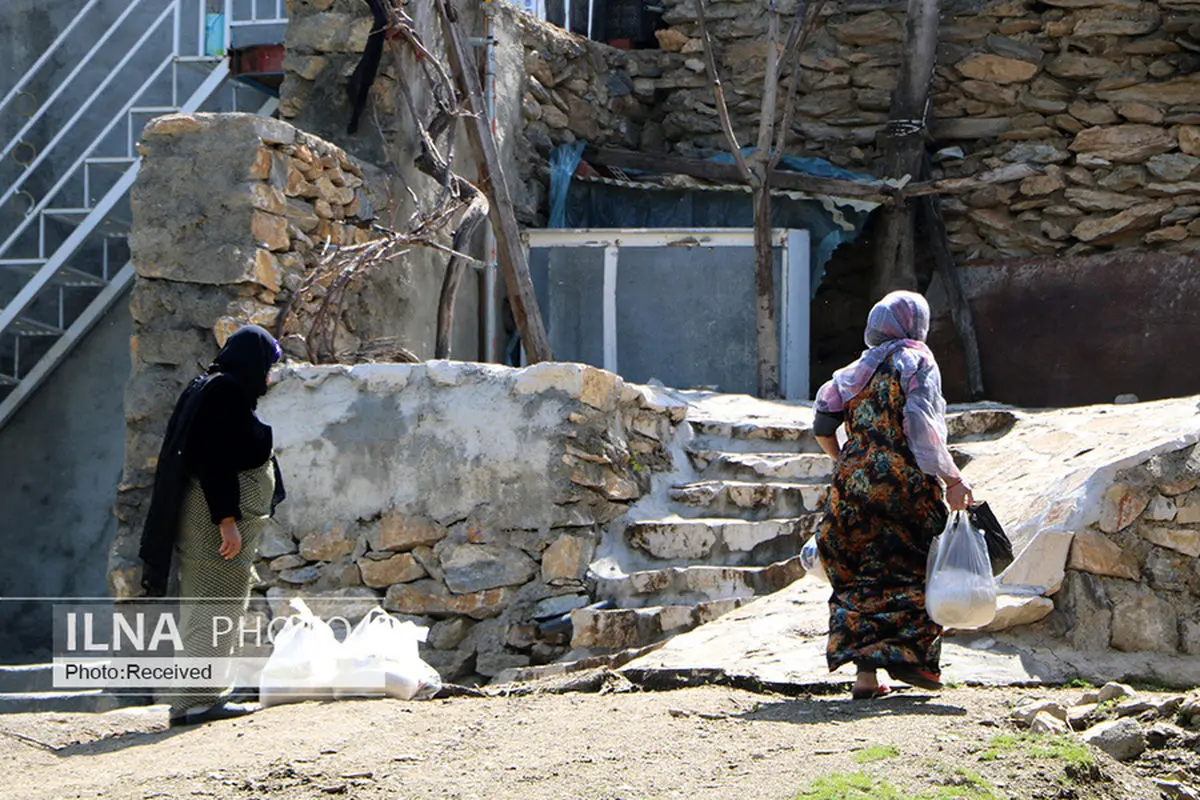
x=62, y=37
x=64, y=85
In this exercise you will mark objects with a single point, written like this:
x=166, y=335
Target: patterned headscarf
x=896, y=329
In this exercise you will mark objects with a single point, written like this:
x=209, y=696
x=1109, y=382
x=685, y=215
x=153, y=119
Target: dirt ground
x=704, y=742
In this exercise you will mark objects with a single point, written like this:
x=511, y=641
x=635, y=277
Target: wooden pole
x=960, y=309
x=766, y=325
x=509, y=250
x=904, y=145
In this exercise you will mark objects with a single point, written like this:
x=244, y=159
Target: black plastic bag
x=999, y=548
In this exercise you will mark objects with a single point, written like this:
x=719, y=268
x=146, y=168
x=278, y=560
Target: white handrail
x=66, y=127
x=30, y=290
x=29, y=73
x=67, y=175
x=66, y=82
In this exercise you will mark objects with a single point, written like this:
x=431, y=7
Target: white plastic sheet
x=960, y=591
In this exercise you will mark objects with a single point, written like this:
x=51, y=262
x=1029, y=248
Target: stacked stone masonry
x=1133, y=578
x=264, y=202
x=474, y=507
x=1098, y=93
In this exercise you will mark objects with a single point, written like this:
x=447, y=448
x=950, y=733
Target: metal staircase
x=64, y=208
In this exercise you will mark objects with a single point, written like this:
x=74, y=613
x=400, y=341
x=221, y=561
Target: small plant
x=1057, y=747
x=876, y=752
x=849, y=786
x=1079, y=683
x=634, y=463
x=960, y=784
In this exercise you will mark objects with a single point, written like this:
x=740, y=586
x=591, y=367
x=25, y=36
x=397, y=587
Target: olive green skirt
x=211, y=587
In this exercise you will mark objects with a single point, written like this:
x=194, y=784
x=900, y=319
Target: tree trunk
x=476, y=213
x=904, y=146
x=766, y=329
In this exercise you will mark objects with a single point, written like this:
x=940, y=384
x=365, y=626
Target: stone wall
x=1098, y=92
x=324, y=42
x=229, y=212
x=468, y=496
x=1133, y=577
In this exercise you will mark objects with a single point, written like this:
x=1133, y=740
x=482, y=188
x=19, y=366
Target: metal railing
x=72, y=245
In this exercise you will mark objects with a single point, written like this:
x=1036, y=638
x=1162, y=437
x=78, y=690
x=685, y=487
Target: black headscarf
x=247, y=357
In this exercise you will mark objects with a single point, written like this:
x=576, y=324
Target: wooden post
x=504, y=221
x=960, y=309
x=904, y=145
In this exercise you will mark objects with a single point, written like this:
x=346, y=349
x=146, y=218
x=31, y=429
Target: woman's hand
x=958, y=495
x=231, y=539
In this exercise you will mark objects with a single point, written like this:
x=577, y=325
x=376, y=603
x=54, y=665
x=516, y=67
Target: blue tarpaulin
x=590, y=204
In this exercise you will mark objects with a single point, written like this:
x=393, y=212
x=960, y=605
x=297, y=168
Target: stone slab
x=780, y=639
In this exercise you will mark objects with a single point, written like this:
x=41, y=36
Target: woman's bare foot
x=866, y=681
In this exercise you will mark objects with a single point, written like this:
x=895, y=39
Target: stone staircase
x=26, y=688
x=723, y=530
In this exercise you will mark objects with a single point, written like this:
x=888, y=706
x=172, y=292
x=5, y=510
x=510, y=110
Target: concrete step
x=714, y=464
x=625, y=628
x=26, y=678
x=91, y=701
x=692, y=585
x=727, y=542
x=750, y=500
x=749, y=437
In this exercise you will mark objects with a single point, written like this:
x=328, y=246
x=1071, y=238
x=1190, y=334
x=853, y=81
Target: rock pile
x=1156, y=733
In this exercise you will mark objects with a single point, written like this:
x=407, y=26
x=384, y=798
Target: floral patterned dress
x=875, y=538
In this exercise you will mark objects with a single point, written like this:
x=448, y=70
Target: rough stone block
x=330, y=544
x=1121, y=738
x=275, y=541
x=260, y=170
x=476, y=567
x=447, y=634
x=270, y=230
x=1144, y=622
x=398, y=531
x=1045, y=723
x=1183, y=540
x=267, y=272
x=567, y=559
x=1015, y=610
x=1096, y=553
x=430, y=598
x=1122, y=144
x=174, y=125
x=400, y=568
x=997, y=69
x=1123, y=503
x=549, y=375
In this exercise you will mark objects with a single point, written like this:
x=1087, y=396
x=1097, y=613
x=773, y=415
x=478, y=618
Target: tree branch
x=719, y=91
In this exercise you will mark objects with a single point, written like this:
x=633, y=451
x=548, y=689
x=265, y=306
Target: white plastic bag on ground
x=960, y=591
x=380, y=658
x=810, y=559
x=303, y=664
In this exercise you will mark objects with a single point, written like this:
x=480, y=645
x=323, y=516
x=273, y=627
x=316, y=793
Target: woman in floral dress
x=886, y=503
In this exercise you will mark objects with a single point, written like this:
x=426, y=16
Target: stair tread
x=722, y=522
x=703, y=568
x=739, y=482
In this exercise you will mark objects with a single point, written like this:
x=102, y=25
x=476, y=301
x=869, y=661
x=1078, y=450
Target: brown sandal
x=915, y=676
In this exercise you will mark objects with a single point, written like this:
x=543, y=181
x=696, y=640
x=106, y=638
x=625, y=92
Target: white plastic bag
x=810, y=559
x=380, y=658
x=960, y=591
x=304, y=662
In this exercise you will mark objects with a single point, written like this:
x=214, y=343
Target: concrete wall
x=60, y=463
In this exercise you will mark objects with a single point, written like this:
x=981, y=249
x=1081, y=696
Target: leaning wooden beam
x=509, y=250
x=1007, y=174
x=960, y=309
x=873, y=191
